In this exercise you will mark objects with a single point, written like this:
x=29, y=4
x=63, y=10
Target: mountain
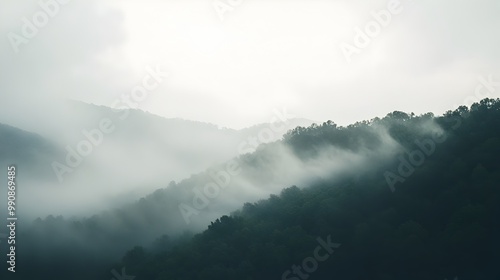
x=121, y=154
x=404, y=196
x=431, y=212
x=167, y=149
x=30, y=151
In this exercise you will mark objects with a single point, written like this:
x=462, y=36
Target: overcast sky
x=233, y=67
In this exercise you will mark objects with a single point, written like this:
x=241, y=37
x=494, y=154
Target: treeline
x=394, y=214
x=442, y=221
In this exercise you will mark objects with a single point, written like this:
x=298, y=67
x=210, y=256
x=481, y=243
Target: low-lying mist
x=97, y=158
x=189, y=205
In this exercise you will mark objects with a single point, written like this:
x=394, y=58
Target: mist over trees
x=138, y=155
x=442, y=222
x=414, y=197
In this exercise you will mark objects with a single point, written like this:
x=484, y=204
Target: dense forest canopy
x=442, y=222
x=424, y=206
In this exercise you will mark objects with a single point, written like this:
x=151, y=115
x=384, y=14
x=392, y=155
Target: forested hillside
x=401, y=197
x=435, y=218
x=32, y=150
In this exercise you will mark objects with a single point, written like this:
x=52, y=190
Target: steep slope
x=441, y=222
x=331, y=157
x=29, y=151
x=120, y=154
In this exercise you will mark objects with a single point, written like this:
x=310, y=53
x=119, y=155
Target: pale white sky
x=263, y=55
